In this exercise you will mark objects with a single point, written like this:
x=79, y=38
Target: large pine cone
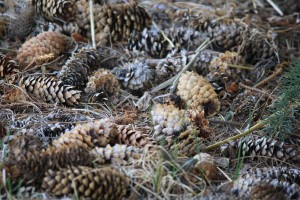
x=262, y=148
x=97, y=133
x=45, y=44
x=198, y=93
x=49, y=90
x=104, y=183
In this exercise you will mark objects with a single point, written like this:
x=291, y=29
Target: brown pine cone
x=44, y=44
x=115, y=21
x=30, y=167
x=266, y=192
x=49, y=90
x=198, y=93
x=76, y=70
x=121, y=154
x=262, y=148
x=8, y=66
x=103, y=82
x=56, y=10
x=129, y=136
x=103, y=183
x=97, y=133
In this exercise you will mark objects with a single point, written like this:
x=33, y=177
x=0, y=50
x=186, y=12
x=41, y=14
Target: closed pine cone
x=97, y=133
x=120, y=154
x=130, y=136
x=50, y=90
x=198, y=93
x=43, y=44
x=104, y=183
x=103, y=81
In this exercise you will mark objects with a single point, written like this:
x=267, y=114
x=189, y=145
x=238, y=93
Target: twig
x=239, y=67
x=276, y=73
x=257, y=90
x=276, y=8
x=174, y=80
x=92, y=23
x=260, y=124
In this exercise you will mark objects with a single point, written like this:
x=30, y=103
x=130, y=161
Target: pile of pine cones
x=87, y=112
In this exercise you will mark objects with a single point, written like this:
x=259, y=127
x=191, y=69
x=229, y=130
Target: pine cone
x=67, y=29
x=152, y=41
x=44, y=44
x=243, y=186
x=135, y=76
x=113, y=22
x=52, y=131
x=76, y=70
x=56, y=10
x=4, y=24
x=103, y=183
x=136, y=138
x=121, y=154
x=198, y=93
x=265, y=192
x=175, y=130
x=8, y=66
x=104, y=83
x=97, y=133
x=14, y=95
x=219, y=68
x=262, y=148
x=30, y=167
x=50, y=90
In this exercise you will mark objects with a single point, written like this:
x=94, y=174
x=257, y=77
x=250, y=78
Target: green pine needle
x=281, y=122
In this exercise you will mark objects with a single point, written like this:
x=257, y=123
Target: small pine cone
x=50, y=90
x=135, y=76
x=103, y=81
x=150, y=40
x=257, y=46
x=262, y=148
x=52, y=131
x=121, y=154
x=8, y=66
x=67, y=29
x=97, y=133
x=266, y=192
x=198, y=93
x=136, y=138
x=169, y=120
x=76, y=70
x=219, y=68
x=243, y=186
x=43, y=44
x=187, y=143
x=103, y=183
x=56, y=10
